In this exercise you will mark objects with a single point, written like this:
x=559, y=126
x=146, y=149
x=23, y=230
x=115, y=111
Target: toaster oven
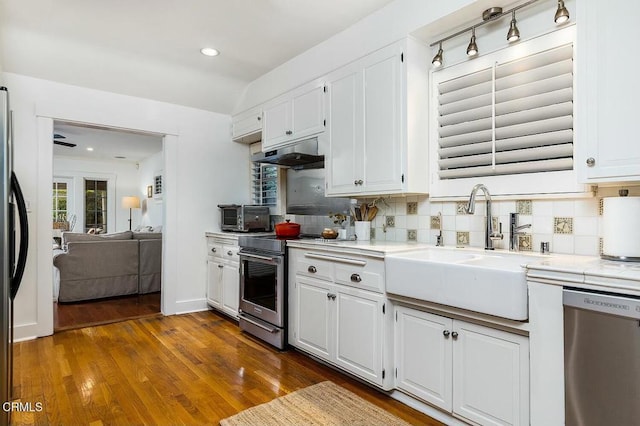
x=244, y=218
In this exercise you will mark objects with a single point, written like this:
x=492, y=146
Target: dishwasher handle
x=619, y=305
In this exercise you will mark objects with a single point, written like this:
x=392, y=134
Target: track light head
x=562, y=14
x=514, y=32
x=472, y=49
x=437, y=60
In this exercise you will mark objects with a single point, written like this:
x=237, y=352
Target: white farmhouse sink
x=489, y=282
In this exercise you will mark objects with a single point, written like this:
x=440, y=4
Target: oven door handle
x=257, y=324
x=258, y=257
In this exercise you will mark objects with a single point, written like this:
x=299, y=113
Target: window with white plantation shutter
x=511, y=118
x=264, y=184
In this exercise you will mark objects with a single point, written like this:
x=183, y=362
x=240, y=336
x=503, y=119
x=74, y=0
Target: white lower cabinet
x=223, y=276
x=339, y=323
x=470, y=370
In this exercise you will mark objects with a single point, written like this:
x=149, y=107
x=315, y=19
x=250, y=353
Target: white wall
x=151, y=212
x=125, y=178
x=385, y=26
x=202, y=168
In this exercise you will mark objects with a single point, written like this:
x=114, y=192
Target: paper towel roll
x=621, y=227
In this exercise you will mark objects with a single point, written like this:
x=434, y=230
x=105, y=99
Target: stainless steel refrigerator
x=11, y=267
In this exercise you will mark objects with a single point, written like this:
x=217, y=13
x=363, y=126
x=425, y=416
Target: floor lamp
x=130, y=203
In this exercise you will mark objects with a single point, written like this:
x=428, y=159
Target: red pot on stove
x=287, y=229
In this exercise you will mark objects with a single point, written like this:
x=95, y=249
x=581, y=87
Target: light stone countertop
x=589, y=272
x=371, y=248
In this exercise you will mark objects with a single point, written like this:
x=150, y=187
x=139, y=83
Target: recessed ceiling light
x=208, y=51
x=89, y=148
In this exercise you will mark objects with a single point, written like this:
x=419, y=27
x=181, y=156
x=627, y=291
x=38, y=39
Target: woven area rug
x=321, y=404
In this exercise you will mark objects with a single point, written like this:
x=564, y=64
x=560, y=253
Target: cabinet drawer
x=364, y=274
x=310, y=266
x=230, y=253
x=214, y=249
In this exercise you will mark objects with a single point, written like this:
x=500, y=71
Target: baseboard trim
x=189, y=306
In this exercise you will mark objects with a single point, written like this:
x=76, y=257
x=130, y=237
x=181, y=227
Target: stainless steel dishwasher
x=602, y=358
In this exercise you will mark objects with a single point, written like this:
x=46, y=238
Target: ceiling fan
x=57, y=141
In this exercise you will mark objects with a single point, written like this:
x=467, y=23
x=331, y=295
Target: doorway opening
x=107, y=225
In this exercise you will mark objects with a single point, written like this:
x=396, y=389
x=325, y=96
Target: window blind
x=512, y=118
x=264, y=184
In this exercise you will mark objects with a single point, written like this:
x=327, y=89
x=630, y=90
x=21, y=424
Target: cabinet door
x=276, y=127
x=359, y=326
x=247, y=126
x=490, y=375
x=214, y=283
x=382, y=155
x=608, y=90
x=423, y=345
x=308, y=112
x=230, y=288
x=344, y=113
x=314, y=324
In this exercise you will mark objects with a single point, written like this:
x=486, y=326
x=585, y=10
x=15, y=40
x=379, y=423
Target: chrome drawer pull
x=220, y=266
x=312, y=269
x=356, y=278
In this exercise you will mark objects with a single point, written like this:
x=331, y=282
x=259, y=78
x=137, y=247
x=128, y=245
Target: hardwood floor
x=184, y=369
x=67, y=316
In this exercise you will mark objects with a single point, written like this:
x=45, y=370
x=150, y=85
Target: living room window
x=95, y=205
x=60, y=205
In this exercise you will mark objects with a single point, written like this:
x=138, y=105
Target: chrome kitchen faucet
x=489, y=233
x=514, y=231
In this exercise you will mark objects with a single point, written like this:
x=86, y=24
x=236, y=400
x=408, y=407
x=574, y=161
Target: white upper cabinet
x=293, y=116
x=377, y=143
x=609, y=149
x=247, y=126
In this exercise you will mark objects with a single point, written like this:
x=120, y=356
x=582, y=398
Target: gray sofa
x=98, y=266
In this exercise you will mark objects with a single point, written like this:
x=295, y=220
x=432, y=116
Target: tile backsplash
x=571, y=226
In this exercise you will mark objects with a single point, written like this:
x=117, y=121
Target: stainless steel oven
x=263, y=281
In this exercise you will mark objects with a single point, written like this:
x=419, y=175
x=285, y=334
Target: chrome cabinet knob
x=591, y=161
x=230, y=253
x=360, y=181
x=213, y=250
x=356, y=278
x=220, y=266
x=454, y=334
x=355, y=182
x=259, y=118
x=312, y=269
x=446, y=333
x=289, y=132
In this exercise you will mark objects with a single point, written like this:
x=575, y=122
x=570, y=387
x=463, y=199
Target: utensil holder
x=362, y=230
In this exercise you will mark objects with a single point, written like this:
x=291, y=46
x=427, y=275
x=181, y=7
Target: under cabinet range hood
x=301, y=155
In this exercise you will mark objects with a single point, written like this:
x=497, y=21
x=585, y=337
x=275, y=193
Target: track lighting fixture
x=437, y=60
x=514, y=33
x=490, y=15
x=472, y=49
x=562, y=14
